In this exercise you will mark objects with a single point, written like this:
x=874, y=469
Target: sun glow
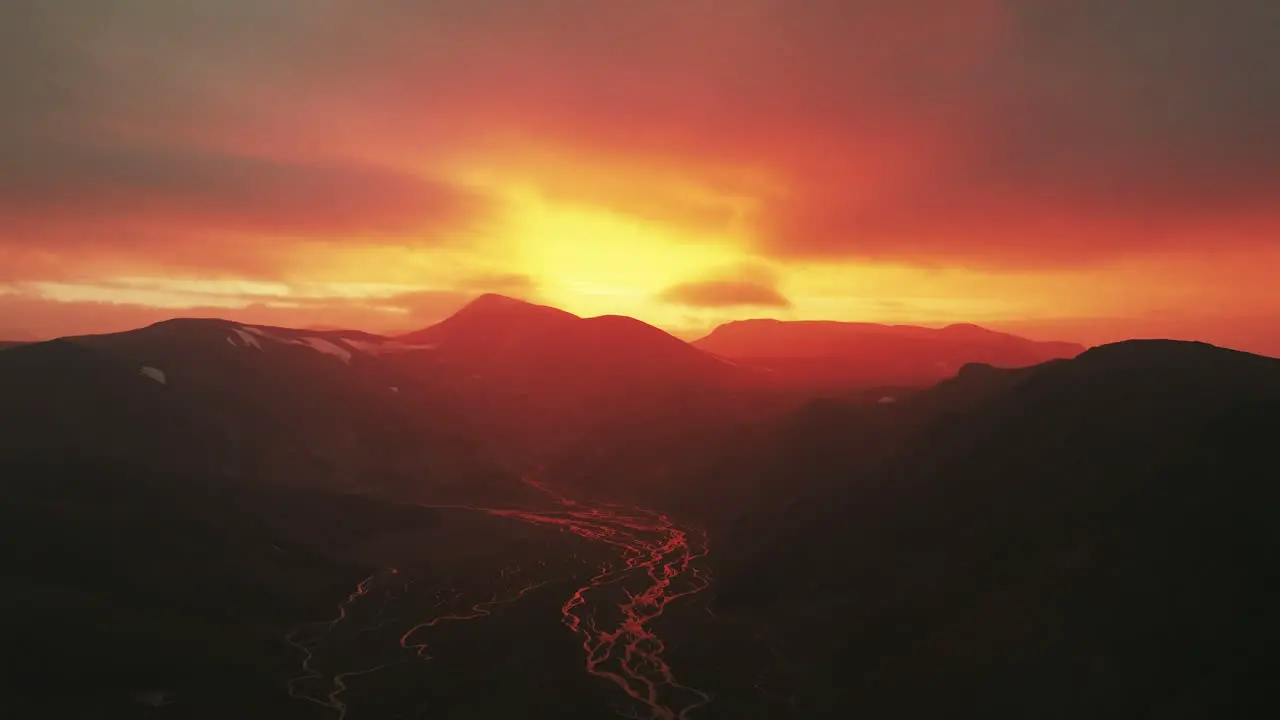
x=596, y=261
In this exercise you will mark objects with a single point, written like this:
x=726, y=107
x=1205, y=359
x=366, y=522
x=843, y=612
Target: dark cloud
x=1096, y=129
x=212, y=191
x=724, y=294
x=974, y=132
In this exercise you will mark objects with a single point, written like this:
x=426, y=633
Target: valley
x=645, y=563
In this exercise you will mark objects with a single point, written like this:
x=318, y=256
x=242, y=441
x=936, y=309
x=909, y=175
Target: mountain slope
x=491, y=323
x=512, y=339
x=264, y=405
x=546, y=383
x=1094, y=531
x=175, y=500
x=501, y=384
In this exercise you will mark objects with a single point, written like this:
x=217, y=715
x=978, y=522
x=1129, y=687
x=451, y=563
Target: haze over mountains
x=845, y=353
x=519, y=510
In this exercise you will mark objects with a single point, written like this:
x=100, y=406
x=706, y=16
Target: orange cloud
x=614, y=150
x=961, y=132
x=724, y=293
x=176, y=189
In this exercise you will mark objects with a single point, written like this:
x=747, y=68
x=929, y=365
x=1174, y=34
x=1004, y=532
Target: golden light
x=595, y=261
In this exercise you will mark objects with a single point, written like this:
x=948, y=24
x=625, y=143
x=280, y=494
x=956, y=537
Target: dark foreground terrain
x=205, y=520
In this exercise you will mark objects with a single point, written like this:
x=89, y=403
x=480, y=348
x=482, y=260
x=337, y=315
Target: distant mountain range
x=835, y=354
x=500, y=384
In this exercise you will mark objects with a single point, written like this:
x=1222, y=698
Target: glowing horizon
x=373, y=165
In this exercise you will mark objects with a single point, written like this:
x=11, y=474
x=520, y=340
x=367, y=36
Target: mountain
x=596, y=517
x=173, y=500
x=547, y=382
x=196, y=510
x=491, y=323
x=841, y=354
x=498, y=386
x=1093, y=530
x=514, y=340
x=274, y=406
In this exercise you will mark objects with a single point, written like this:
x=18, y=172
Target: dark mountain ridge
x=1090, y=529
x=266, y=405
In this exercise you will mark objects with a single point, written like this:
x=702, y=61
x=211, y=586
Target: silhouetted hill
x=500, y=384
x=59, y=399
x=835, y=354
x=1096, y=531
x=490, y=325
x=267, y=405
x=509, y=338
x=175, y=500
x=543, y=382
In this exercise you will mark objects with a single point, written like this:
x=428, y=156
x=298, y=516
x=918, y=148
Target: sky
x=1082, y=170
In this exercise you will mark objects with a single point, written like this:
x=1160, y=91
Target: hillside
x=543, y=383
x=1092, y=530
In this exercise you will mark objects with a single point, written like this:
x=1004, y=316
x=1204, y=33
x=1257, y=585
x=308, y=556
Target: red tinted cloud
x=955, y=132
x=76, y=185
x=27, y=315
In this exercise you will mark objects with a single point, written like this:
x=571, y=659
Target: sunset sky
x=1068, y=169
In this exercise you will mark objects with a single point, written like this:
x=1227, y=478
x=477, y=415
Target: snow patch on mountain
x=324, y=346
x=260, y=333
x=342, y=348
x=253, y=336
x=246, y=338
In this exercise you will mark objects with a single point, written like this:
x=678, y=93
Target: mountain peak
x=492, y=315
x=968, y=328
x=506, y=306
x=1167, y=353
x=496, y=300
